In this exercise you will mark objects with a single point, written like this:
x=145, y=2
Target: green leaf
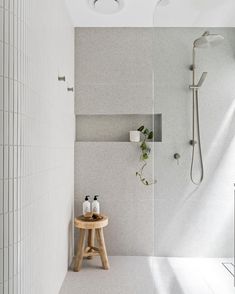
x=150, y=136
x=145, y=156
x=146, y=131
x=140, y=129
x=143, y=146
x=146, y=182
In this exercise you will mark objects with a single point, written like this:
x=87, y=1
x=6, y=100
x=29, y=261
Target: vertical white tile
x=1, y=25
x=1, y=92
x=6, y=60
x=7, y=4
x=6, y=26
x=1, y=128
x=1, y=231
x=1, y=59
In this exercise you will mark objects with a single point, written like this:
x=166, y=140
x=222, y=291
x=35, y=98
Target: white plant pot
x=134, y=136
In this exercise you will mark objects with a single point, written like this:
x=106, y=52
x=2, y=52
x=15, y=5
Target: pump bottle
x=86, y=205
x=96, y=205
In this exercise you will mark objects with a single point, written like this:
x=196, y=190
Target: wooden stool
x=94, y=228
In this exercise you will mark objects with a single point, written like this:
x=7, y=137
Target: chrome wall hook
x=61, y=78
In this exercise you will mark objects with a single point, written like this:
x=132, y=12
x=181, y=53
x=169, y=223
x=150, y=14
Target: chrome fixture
x=177, y=157
x=207, y=40
x=61, y=78
x=106, y=6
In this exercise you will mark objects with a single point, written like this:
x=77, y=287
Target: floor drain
x=229, y=267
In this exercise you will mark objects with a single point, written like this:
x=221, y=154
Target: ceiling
x=146, y=13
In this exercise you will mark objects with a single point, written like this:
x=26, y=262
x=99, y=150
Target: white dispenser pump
x=96, y=205
x=86, y=205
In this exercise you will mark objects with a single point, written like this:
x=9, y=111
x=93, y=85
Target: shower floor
x=150, y=275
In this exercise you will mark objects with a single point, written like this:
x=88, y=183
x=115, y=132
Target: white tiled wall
x=37, y=141
x=13, y=90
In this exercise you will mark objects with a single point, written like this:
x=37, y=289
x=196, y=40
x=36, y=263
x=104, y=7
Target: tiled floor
x=151, y=275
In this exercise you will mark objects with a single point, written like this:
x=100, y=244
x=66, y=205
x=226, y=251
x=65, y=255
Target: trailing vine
x=145, y=152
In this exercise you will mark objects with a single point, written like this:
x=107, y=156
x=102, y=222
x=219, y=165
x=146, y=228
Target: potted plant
x=145, y=152
x=134, y=136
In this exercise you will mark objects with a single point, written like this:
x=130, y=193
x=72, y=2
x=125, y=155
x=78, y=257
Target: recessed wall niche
x=115, y=128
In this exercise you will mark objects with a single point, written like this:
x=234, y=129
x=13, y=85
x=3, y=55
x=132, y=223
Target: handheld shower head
x=201, y=81
x=208, y=40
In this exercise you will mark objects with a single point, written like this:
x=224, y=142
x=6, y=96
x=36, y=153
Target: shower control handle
x=177, y=157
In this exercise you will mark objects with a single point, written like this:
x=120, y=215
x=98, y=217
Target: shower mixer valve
x=177, y=157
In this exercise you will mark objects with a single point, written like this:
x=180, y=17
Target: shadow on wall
x=71, y=239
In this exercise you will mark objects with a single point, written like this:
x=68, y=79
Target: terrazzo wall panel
x=114, y=90
x=191, y=220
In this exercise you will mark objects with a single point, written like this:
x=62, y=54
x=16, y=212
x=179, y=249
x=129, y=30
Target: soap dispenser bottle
x=86, y=205
x=96, y=205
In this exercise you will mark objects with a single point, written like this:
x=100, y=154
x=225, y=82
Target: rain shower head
x=208, y=40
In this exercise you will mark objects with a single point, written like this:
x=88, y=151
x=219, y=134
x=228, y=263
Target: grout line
x=3, y=61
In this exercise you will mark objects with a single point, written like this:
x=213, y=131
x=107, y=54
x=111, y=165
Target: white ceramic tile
x=1, y=267
x=6, y=26
x=1, y=25
x=42, y=174
x=1, y=93
x=1, y=198
x=1, y=57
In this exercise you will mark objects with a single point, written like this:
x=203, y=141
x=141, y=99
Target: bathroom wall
x=12, y=89
x=113, y=80
x=49, y=137
x=114, y=76
x=191, y=220
x=37, y=146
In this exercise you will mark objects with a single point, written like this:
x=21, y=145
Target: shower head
x=208, y=40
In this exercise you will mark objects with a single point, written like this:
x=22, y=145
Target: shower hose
x=196, y=127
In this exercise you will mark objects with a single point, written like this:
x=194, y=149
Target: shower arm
x=192, y=68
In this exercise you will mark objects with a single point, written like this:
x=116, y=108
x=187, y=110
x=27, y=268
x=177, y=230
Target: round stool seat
x=81, y=223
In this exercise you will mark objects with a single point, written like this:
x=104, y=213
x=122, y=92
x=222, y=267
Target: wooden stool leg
x=80, y=250
x=102, y=248
x=91, y=237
